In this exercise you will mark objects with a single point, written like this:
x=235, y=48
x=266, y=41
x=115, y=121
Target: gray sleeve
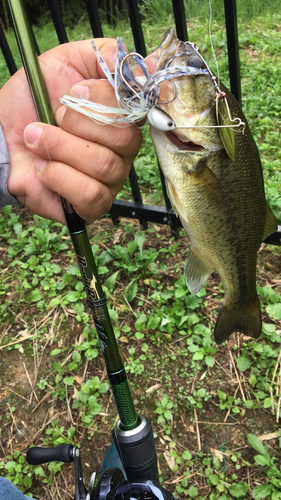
x=5, y=197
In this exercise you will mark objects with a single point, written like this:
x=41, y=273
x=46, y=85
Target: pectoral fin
x=207, y=184
x=196, y=272
x=270, y=223
x=207, y=187
x=174, y=199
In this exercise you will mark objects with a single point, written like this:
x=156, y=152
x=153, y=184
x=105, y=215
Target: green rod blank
x=29, y=58
x=77, y=229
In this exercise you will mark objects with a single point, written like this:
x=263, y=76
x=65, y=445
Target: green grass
x=155, y=11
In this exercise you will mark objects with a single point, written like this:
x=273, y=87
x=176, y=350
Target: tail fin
x=244, y=319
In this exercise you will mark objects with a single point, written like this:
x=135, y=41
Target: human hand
x=83, y=162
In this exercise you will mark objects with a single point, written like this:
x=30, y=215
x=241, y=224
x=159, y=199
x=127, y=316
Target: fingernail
x=40, y=164
x=80, y=91
x=32, y=134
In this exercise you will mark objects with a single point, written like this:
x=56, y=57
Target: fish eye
x=195, y=62
x=160, y=119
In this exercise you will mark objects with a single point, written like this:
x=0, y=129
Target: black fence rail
x=137, y=209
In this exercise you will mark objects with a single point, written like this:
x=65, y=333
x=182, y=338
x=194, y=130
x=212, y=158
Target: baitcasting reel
x=111, y=486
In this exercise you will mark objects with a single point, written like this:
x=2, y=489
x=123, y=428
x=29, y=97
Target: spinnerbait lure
x=137, y=97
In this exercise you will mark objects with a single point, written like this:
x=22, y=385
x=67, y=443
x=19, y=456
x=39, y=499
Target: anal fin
x=196, y=272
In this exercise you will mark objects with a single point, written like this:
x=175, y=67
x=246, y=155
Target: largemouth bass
x=215, y=183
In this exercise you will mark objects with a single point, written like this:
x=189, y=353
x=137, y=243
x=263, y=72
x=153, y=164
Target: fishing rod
x=77, y=229
x=133, y=435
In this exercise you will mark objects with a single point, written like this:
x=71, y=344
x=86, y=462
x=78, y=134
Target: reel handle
x=38, y=456
x=66, y=453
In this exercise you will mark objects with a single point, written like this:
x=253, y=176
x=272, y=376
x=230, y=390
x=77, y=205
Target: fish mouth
x=183, y=145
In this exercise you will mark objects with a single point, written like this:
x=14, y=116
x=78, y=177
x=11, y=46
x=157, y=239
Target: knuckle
x=96, y=198
x=127, y=140
x=108, y=165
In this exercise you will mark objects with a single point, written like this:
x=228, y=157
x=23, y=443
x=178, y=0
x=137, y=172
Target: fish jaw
x=174, y=143
x=179, y=141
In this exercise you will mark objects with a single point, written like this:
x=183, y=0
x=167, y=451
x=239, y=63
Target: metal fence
x=137, y=209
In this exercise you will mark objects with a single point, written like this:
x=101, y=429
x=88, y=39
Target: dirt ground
x=28, y=412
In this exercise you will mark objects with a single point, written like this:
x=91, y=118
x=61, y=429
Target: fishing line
x=211, y=41
x=47, y=149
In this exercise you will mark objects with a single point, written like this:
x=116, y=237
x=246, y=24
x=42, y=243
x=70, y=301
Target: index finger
x=70, y=63
x=87, y=64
